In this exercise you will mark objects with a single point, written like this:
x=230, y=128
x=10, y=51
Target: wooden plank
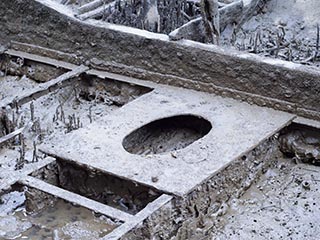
x=44, y=88
x=98, y=12
x=307, y=122
x=10, y=177
x=90, y=6
x=77, y=199
x=11, y=135
x=51, y=54
x=41, y=59
x=139, y=218
x=15, y=133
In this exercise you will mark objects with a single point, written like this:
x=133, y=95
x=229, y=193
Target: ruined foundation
x=117, y=123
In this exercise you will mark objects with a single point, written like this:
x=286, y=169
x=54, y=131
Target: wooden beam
x=11, y=135
x=152, y=207
x=97, y=12
x=15, y=133
x=42, y=59
x=77, y=199
x=44, y=88
x=92, y=5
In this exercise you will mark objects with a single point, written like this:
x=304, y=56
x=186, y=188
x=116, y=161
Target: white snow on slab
x=237, y=128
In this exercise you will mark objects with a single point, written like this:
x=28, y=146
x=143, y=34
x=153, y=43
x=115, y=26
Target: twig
x=318, y=40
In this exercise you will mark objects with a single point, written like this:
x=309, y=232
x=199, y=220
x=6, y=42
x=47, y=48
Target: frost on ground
x=58, y=220
x=283, y=204
x=14, y=85
x=58, y=112
x=282, y=29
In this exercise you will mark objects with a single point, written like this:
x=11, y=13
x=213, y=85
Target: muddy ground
x=286, y=30
x=57, y=113
x=59, y=220
x=283, y=204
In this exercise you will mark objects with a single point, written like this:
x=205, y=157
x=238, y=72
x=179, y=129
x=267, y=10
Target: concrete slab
x=237, y=127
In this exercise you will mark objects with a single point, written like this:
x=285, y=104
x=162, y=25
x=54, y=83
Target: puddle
x=57, y=220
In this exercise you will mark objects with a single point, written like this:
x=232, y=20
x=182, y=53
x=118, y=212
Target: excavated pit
x=33, y=70
x=28, y=213
x=276, y=198
x=270, y=191
x=210, y=208
x=113, y=191
x=166, y=135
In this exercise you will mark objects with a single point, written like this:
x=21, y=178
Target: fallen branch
x=98, y=12
x=92, y=6
x=194, y=30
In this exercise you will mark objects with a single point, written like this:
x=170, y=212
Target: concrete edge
x=273, y=133
x=139, y=218
x=307, y=122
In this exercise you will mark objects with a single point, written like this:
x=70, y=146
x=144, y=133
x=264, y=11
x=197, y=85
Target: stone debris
x=303, y=146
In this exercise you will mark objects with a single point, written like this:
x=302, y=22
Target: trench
x=28, y=213
x=113, y=191
x=285, y=161
x=77, y=102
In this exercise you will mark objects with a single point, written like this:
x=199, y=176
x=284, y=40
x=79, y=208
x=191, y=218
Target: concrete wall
x=201, y=213
x=132, y=52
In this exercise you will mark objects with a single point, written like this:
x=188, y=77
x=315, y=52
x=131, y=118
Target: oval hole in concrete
x=166, y=134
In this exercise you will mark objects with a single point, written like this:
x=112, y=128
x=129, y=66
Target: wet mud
x=281, y=205
x=287, y=30
x=57, y=219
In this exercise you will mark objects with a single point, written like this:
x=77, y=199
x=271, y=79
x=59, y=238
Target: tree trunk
x=211, y=20
x=151, y=15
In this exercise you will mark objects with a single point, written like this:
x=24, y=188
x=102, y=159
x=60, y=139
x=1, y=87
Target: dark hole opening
x=167, y=134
